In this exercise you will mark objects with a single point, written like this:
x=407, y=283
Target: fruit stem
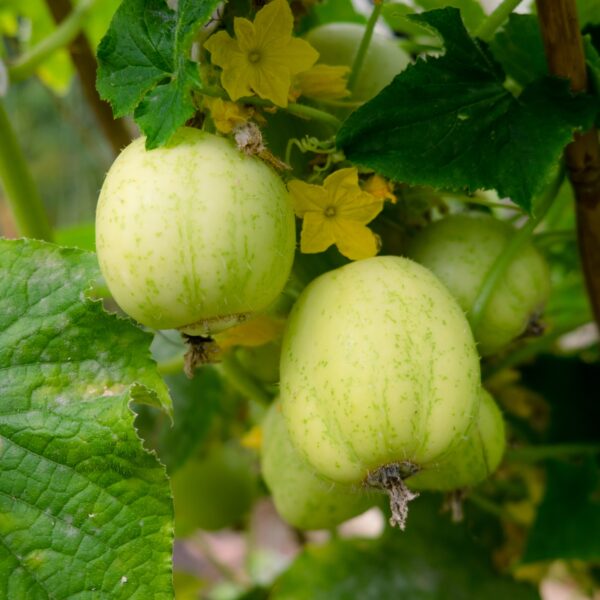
x=63, y=35
x=359, y=59
x=294, y=108
x=242, y=382
x=542, y=452
x=534, y=348
x=20, y=189
x=502, y=262
x=390, y=479
x=489, y=26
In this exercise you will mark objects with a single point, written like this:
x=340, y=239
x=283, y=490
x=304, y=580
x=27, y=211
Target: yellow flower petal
x=353, y=240
x=256, y=332
x=235, y=83
x=227, y=115
x=381, y=188
x=307, y=197
x=342, y=183
x=224, y=49
x=274, y=19
x=253, y=438
x=271, y=82
x=245, y=34
x=317, y=233
x=351, y=202
x=324, y=82
x=361, y=207
x=299, y=56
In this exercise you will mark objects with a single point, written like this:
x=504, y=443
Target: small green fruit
x=337, y=44
x=474, y=459
x=461, y=249
x=195, y=235
x=379, y=373
x=213, y=492
x=302, y=498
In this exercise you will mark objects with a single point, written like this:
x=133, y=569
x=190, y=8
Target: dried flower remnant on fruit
x=323, y=82
x=263, y=57
x=380, y=188
x=336, y=213
x=248, y=139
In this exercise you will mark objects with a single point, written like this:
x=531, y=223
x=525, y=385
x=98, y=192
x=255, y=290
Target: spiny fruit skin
x=337, y=44
x=301, y=497
x=195, y=235
x=460, y=250
x=215, y=491
x=378, y=367
x=474, y=459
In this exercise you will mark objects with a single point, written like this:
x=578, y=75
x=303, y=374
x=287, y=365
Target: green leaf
x=433, y=559
x=588, y=12
x=520, y=50
x=85, y=510
x=567, y=525
x=470, y=10
x=450, y=123
x=143, y=65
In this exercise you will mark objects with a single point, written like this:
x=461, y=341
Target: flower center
x=330, y=211
x=254, y=56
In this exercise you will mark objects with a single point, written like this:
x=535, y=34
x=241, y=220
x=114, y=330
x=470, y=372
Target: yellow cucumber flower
x=380, y=187
x=227, y=115
x=336, y=213
x=323, y=82
x=263, y=57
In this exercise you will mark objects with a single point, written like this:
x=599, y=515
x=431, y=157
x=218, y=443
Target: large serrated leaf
x=85, y=510
x=143, y=64
x=449, y=122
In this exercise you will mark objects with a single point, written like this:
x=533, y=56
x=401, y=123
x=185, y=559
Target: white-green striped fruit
x=302, y=498
x=194, y=235
x=460, y=250
x=337, y=44
x=379, y=372
x=474, y=459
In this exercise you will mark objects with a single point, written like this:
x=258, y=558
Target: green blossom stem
x=21, y=192
x=294, y=108
x=502, y=262
x=359, y=59
x=238, y=377
x=488, y=28
x=543, y=452
x=63, y=35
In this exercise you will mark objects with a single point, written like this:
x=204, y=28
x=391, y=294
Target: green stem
x=238, y=377
x=512, y=248
x=62, y=36
x=361, y=54
x=301, y=110
x=20, y=189
x=171, y=366
x=534, y=348
x=490, y=507
x=542, y=452
x=488, y=28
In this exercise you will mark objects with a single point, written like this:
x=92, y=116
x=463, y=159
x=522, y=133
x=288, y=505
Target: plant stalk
x=488, y=28
x=63, y=35
x=21, y=191
x=543, y=452
x=361, y=53
x=565, y=56
x=294, y=108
